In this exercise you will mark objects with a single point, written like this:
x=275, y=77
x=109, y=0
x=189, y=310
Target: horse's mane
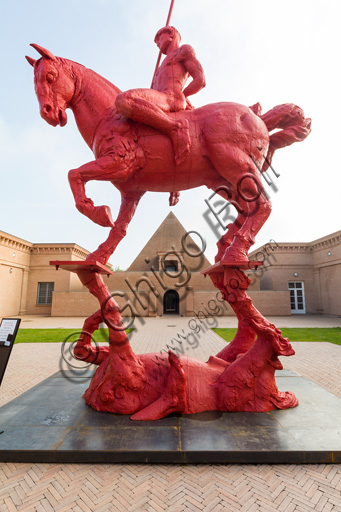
x=74, y=69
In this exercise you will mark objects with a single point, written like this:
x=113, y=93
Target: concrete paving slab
x=52, y=423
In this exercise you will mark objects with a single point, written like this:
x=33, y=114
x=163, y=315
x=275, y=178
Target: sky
x=252, y=51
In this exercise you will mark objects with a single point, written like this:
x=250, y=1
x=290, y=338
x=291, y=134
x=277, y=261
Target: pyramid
x=166, y=238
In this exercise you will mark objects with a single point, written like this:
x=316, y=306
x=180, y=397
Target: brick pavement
x=84, y=488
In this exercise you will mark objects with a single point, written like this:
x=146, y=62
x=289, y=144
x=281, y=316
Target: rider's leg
x=152, y=107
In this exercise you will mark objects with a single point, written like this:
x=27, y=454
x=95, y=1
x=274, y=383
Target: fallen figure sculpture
x=230, y=146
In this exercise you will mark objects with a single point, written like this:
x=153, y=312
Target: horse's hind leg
x=242, y=209
x=258, y=210
x=247, y=195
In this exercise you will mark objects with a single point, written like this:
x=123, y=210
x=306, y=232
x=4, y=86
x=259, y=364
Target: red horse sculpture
x=227, y=139
x=230, y=143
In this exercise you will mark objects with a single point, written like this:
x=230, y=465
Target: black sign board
x=8, y=331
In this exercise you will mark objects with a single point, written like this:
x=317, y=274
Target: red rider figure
x=167, y=93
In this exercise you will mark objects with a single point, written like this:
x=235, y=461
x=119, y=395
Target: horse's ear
x=43, y=52
x=30, y=60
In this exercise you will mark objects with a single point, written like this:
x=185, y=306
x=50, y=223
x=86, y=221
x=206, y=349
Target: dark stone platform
x=51, y=423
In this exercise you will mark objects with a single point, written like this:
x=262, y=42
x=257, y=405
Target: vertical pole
x=170, y=13
x=167, y=24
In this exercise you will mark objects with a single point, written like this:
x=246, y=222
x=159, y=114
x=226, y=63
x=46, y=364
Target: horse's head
x=54, y=86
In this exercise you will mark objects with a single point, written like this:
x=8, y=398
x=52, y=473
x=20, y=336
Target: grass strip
x=57, y=335
x=324, y=334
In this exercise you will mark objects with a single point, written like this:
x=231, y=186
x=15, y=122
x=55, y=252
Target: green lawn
x=330, y=334
x=56, y=335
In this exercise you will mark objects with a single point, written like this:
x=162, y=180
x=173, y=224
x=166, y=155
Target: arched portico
x=171, y=303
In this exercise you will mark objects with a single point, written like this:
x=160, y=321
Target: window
x=171, y=266
x=44, y=295
x=297, y=299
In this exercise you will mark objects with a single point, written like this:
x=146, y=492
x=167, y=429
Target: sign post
x=8, y=332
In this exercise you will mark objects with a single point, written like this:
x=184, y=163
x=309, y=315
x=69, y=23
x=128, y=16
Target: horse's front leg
x=129, y=203
x=102, y=169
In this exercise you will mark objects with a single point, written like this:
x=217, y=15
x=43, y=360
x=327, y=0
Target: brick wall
x=15, y=255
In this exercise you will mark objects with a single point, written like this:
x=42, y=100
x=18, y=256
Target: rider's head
x=172, y=32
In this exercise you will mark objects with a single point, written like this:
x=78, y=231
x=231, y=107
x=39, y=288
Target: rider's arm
x=194, y=68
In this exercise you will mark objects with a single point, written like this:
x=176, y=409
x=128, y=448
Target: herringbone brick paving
x=175, y=488
x=75, y=487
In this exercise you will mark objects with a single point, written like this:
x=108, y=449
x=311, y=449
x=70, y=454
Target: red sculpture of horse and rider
x=153, y=140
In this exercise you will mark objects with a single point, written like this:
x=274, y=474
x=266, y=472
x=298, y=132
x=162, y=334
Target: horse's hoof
x=102, y=215
x=99, y=214
x=85, y=207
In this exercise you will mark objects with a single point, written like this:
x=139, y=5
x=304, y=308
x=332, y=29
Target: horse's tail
x=294, y=128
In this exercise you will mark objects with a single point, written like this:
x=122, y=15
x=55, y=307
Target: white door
x=297, y=300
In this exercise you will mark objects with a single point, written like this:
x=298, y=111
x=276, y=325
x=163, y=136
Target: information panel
x=8, y=331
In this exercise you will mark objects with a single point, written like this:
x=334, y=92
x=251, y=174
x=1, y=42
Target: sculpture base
x=80, y=266
x=221, y=265
x=51, y=423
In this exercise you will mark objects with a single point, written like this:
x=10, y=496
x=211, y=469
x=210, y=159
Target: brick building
x=27, y=281
x=165, y=278
x=311, y=271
